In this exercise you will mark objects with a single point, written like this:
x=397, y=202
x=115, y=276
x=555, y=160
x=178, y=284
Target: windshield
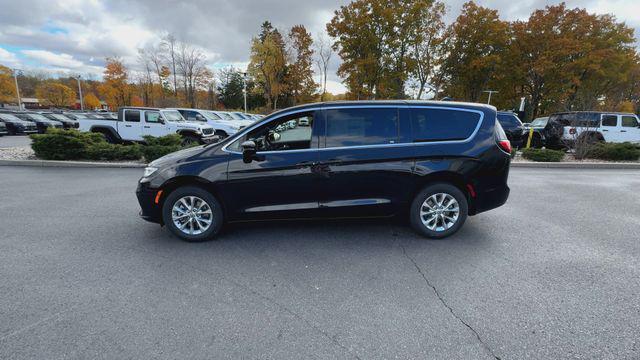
x=172, y=115
x=38, y=117
x=60, y=117
x=9, y=117
x=226, y=116
x=539, y=122
x=235, y=116
x=213, y=115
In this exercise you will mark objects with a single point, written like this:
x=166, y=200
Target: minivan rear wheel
x=192, y=214
x=439, y=210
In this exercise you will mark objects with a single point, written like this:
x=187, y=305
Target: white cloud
x=48, y=58
x=8, y=58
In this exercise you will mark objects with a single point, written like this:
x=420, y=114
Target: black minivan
x=435, y=162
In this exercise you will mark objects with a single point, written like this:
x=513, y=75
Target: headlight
x=149, y=170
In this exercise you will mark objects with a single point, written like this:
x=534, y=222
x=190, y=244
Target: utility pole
x=490, y=93
x=244, y=90
x=80, y=92
x=15, y=77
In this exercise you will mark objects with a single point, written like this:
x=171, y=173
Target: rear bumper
x=491, y=199
x=149, y=210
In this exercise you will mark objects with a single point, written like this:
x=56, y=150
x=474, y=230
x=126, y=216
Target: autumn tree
x=268, y=63
x=568, y=59
x=475, y=44
x=374, y=38
x=91, y=101
x=192, y=70
x=7, y=85
x=427, y=52
x=299, y=77
x=115, y=89
x=56, y=94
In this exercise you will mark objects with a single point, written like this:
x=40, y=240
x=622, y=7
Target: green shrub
x=152, y=152
x=614, y=152
x=167, y=140
x=106, y=151
x=542, y=155
x=59, y=144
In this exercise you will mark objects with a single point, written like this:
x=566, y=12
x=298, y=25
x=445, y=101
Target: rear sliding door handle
x=307, y=163
x=127, y=126
x=147, y=127
x=623, y=130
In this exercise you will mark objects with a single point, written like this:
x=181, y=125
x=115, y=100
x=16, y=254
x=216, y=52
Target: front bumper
x=149, y=210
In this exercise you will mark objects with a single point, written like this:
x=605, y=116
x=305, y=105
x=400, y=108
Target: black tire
x=190, y=140
x=426, y=193
x=217, y=217
x=108, y=137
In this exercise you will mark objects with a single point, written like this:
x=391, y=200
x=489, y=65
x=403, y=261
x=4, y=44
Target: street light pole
x=490, y=93
x=80, y=92
x=244, y=90
x=15, y=77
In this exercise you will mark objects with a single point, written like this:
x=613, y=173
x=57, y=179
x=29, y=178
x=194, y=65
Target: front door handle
x=623, y=130
x=147, y=127
x=127, y=126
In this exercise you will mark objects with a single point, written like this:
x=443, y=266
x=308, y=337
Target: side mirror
x=161, y=120
x=200, y=118
x=248, y=151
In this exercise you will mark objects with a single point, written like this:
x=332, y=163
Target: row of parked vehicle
x=562, y=130
x=131, y=123
x=194, y=125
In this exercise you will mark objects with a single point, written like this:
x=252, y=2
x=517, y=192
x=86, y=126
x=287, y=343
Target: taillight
x=572, y=131
x=501, y=139
x=505, y=145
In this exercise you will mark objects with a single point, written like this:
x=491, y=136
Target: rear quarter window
x=442, y=124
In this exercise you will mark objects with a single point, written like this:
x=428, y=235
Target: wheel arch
x=105, y=129
x=449, y=177
x=190, y=180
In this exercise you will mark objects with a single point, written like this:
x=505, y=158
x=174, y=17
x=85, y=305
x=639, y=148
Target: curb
x=74, y=164
x=576, y=165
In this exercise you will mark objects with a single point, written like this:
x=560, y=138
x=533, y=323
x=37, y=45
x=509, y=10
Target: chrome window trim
x=406, y=106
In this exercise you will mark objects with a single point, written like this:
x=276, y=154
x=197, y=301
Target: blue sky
x=75, y=36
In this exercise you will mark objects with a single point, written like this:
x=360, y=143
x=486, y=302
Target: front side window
x=629, y=121
x=609, y=120
x=361, y=126
x=132, y=115
x=152, y=117
x=281, y=134
x=172, y=115
x=442, y=124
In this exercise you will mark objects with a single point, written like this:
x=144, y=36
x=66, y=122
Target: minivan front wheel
x=439, y=210
x=192, y=214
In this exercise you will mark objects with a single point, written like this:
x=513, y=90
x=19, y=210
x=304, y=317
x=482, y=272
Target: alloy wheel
x=192, y=215
x=439, y=212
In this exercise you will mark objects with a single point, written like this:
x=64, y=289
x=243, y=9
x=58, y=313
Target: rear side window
x=361, y=126
x=609, y=120
x=508, y=121
x=132, y=115
x=442, y=124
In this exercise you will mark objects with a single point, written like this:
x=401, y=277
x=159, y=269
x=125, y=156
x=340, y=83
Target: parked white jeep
x=223, y=125
x=601, y=126
x=135, y=122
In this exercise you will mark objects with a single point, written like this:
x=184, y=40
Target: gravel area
x=17, y=153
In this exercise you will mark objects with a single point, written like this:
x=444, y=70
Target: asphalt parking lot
x=8, y=141
x=553, y=274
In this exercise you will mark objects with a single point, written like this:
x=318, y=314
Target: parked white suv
x=223, y=125
x=135, y=122
x=602, y=126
